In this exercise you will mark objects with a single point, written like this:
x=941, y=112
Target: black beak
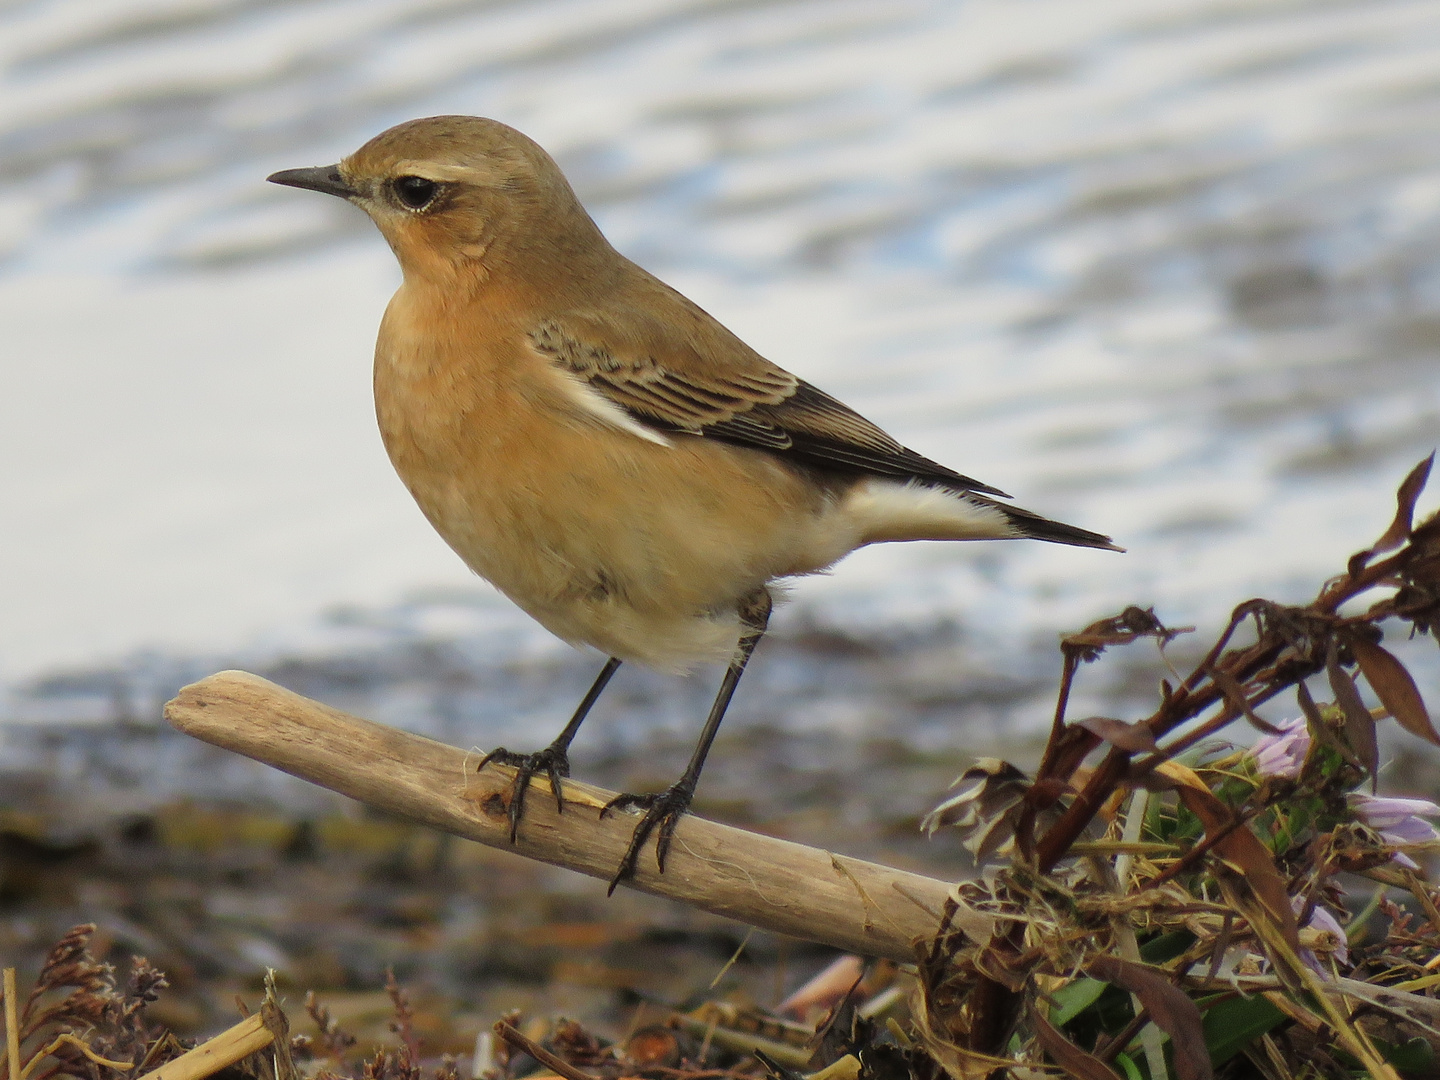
x=324, y=178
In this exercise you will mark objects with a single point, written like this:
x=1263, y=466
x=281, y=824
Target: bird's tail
x=1041, y=528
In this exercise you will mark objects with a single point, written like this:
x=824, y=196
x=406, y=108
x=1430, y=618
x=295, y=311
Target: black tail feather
x=1055, y=532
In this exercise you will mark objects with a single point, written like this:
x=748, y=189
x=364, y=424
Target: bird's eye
x=415, y=191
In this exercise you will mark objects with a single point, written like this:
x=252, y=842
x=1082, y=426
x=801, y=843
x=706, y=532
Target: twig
x=67, y=1039
x=1291, y=644
x=232, y=1044
x=733, y=957
x=12, y=1026
x=1197, y=852
x=771, y=883
x=521, y=1041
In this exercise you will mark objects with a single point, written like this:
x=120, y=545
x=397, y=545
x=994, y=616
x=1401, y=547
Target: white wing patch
x=599, y=407
x=882, y=510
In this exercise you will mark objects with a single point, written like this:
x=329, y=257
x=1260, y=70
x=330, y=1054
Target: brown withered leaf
x=1399, y=530
x=1132, y=737
x=1321, y=734
x=1130, y=624
x=1237, y=846
x=942, y=1029
x=1077, y=1063
x=986, y=809
x=1170, y=1009
x=1359, y=724
x=1236, y=699
x=1308, y=708
x=1395, y=688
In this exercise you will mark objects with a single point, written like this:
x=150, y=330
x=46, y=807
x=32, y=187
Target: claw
x=554, y=763
x=664, y=809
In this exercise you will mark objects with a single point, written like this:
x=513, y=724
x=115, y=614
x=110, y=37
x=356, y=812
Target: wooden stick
x=788, y=888
x=12, y=1026
x=232, y=1044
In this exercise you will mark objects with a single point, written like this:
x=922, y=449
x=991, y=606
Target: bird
x=603, y=451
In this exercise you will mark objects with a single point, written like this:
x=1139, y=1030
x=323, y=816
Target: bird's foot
x=664, y=809
x=552, y=762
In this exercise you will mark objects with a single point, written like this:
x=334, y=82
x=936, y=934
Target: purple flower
x=1398, y=821
x=1283, y=753
x=1322, y=921
x=1321, y=934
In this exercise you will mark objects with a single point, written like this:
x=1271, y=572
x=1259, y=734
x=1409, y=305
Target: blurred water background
x=1170, y=270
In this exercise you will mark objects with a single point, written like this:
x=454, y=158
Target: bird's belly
x=640, y=550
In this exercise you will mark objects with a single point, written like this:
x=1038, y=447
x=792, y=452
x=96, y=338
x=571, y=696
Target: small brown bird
x=604, y=452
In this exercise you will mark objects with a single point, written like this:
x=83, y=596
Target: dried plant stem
x=232, y=1044
x=745, y=1042
x=1182, y=705
x=1192, y=857
x=1151, y=1037
x=12, y=1026
x=1107, y=1050
x=774, y=884
x=1202, y=691
x=1347, y=1034
x=67, y=1039
x=1291, y=644
x=521, y=1041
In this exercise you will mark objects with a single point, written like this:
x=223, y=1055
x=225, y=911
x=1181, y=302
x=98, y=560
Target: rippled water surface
x=1166, y=270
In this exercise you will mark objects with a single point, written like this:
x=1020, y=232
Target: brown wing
x=695, y=377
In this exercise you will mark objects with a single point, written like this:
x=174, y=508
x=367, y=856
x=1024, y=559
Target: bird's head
x=459, y=192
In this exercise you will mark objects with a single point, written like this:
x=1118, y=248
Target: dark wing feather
x=828, y=434
x=749, y=402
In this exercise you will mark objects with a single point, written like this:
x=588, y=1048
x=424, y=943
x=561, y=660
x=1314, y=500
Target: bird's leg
x=554, y=760
x=665, y=808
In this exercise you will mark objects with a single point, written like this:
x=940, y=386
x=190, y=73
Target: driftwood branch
x=774, y=884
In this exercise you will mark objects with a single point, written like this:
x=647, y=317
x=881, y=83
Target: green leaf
x=1074, y=998
x=1128, y=1067
x=1166, y=946
x=1412, y=1056
x=1235, y=1023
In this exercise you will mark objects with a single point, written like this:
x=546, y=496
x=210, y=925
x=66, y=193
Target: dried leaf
x=1170, y=1009
x=1235, y=697
x=975, y=924
x=1359, y=724
x=986, y=809
x=1132, y=623
x=958, y=1062
x=1077, y=1063
x=1237, y=846
x=1399, y=530
x=1320, y=733
x=1309, y=709
x=1323, y=734
x=1135, y=738
x=1395, y=689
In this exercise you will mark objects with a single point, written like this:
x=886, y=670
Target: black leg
x=554, y=760
x=666, y=808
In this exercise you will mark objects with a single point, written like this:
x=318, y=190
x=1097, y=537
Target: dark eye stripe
x=415, y=191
